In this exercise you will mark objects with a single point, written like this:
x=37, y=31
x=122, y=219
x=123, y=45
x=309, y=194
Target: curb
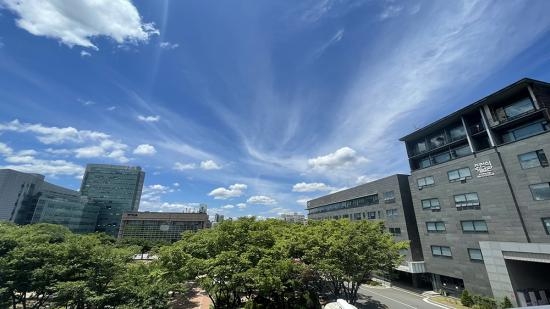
x=427, y=300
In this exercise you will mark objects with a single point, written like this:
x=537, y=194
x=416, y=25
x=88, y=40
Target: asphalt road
x=391, y=298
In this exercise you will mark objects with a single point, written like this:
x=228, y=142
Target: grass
x=448, y=301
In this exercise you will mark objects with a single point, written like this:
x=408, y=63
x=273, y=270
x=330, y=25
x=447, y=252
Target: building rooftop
x=496, y=96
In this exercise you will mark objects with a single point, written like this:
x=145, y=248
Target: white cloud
x=5, y=149
x=311, y=187
x=77, y=22
x=158, y=187
x=303, y=201
x=210, y=165
x=235, y=190
x=86, y=102
x=53, y=135
x=168, y=45
x=145, y=150
x=364, y=179
x=45, y=167
x=84, y=53
x=97, y=144
x=176, y=184
x=111, y=108
x=184, y=166
x=241, y=205
x=228, y=206
x=342, y=157
x=261, y=200
x=149, y=118
x=391, y=11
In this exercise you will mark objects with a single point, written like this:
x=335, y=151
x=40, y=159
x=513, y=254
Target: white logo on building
x=484, y=169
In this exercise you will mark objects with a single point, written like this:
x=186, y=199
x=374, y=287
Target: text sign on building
x=484, y=169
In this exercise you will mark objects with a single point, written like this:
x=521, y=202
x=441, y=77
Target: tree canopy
x=273, y=262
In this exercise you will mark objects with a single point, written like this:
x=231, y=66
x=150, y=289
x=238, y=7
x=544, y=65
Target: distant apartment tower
x=386, y=200
x=161, y=226
x=294, y=218
x=26, y=198
x=114, y=189
x=481, y=191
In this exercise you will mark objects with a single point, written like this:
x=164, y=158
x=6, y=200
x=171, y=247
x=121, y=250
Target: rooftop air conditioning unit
x=420, y=187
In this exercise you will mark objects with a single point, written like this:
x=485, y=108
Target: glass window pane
x=467, y=226
x=440, y=226
x=434, y=202
x=465, y=172
x=446, y=251
x=442, y=157
x=457, y=133
x=436, y=250
x=546, y=224
x=529, y=160
x=437, y=140
x=421, y=182
x=541, y=191
x=528, y=130
x=429, y=180
x=420, y=147
x=462, y=151
x=472, y=197
x=523, y=106
x=460, y=198
x=425, y=162
x=475, y=254
x=430, y=226
x=453, y=175
x=480, y=226
x=426, y=204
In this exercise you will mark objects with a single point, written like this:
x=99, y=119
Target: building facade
x=113, y=189
x=27, y=198
x=480, y=186
x=387, y=200
x=160, y=226
x=294, y=217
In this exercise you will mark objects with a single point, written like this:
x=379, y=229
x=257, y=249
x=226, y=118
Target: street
x=391, y=298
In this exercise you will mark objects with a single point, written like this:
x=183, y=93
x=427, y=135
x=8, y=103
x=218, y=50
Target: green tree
x=346, y=253
x=466, y=299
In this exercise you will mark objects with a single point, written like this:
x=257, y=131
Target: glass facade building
x=161, y=226
x=113, y=189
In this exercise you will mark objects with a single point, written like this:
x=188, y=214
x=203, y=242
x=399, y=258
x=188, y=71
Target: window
x=441, y=251
x=546, y=224
x=391, y=213
x=461, y=151
x=442, y=157
x=459, y=174
x=475, y=226
x=424, y=162
x=520, y=107
x=432, y=204
x=524, y=132
x=533, y=159
x=437, y=140
x=457, y=132
x=466, y=200
x=475, y=254
x=357, y=216
x=436, y=226
x=420, y=147
x=395, y=231
x=389, y=197
x=426, y=181
x=371, y=215
x=540, y=191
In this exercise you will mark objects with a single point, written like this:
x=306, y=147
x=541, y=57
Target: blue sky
x=252, y=107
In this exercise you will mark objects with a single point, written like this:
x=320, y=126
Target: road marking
x=427, y=300
x=395, y=300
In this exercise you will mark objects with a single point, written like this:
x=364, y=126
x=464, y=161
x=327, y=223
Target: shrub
x=483, y=302
x=466, y=299
x=506, y=303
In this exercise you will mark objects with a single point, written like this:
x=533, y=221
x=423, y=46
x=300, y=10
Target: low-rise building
x=294, y=218
x=160, y=226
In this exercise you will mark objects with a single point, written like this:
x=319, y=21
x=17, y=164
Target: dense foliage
x=273, y=264
x=47, y=265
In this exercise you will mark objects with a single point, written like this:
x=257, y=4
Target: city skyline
x=252, y=112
